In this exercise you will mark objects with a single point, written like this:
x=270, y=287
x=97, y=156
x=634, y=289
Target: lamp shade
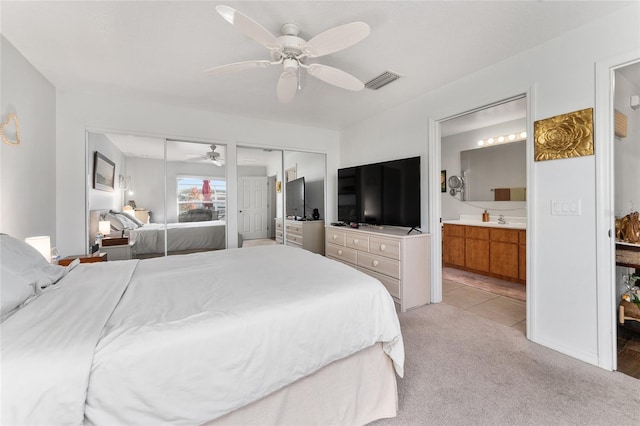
x=42, y=244
x=104, y=227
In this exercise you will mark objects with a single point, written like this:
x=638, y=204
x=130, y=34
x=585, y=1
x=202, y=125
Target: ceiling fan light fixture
x=290, y=66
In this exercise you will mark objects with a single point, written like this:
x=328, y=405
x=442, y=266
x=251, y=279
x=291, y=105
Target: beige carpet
x=461, y=369
x=494, y=285
x=258, y=242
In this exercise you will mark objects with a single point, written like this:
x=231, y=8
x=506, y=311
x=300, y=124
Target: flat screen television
x=294, y=191
x=385, y=193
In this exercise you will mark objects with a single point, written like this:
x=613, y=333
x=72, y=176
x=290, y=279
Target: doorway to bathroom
x=483, y=213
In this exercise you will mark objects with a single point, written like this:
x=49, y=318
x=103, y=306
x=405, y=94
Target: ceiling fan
x=209, y=156
x=292, y=52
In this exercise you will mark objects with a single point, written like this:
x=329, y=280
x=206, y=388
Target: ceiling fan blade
x=237, y=67
x=287, y=87
x=250, y=27
x=335, y=77
x=336, y=39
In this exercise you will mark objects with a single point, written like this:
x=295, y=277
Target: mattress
x=187, y=339
x=183, y=236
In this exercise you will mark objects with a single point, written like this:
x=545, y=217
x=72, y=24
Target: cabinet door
x=476, y=254
x=504, y=259
x=453, y=252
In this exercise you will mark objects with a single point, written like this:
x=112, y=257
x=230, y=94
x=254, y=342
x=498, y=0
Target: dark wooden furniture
x=115, y=241
x=84, y=258
x=491, y=251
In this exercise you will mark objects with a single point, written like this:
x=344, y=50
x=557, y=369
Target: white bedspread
x=48, y=345
x=196, y=336
x=149, y=238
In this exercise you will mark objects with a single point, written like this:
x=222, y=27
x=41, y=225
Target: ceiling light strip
x=513, y=137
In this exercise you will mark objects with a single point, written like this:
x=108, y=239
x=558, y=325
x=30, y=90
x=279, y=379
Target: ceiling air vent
x=382, y=80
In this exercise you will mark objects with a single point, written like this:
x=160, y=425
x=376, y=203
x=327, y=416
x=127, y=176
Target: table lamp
x=104, y=227
x=42, y=244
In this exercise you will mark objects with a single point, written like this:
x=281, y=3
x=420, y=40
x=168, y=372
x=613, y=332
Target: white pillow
x=24, y=261
x=116, y=224
x=14, y=291
x=126, y=221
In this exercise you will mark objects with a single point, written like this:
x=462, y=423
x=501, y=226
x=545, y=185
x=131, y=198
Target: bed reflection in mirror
x=193, y=218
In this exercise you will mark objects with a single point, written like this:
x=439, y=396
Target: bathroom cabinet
x=491, y=251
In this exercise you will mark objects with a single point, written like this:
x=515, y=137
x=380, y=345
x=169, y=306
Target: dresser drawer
x=294, y=228
x=357, y=241
x=384, y=247
x=392, y=285
x=379, y=264
x=342, y=253
x=335, y=237
x=294, y=238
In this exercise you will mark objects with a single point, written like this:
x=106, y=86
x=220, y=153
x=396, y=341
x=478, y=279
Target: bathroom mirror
x=495, y=173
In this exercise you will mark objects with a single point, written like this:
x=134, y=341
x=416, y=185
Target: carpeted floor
x=461, y=369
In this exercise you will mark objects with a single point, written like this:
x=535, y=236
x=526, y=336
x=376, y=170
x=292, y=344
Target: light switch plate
x=566, y=208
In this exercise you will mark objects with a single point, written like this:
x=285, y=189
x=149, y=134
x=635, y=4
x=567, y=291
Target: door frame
x=435, y=205
x=605, y=206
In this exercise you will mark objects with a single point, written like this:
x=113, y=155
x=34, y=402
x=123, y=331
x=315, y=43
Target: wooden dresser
x=399, y=261
x=305, y=234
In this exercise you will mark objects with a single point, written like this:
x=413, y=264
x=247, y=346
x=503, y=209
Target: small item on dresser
x=354, y=225
x=485, y=216
x=316, y=214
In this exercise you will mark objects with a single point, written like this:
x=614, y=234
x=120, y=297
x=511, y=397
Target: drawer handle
x=355, y=241
x=339, y=252
x=335, y=237
x=374, y=263
x=383, y=247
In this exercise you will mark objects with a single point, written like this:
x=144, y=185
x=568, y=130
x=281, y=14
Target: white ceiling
x=158, y=50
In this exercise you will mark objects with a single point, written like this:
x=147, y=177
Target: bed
x=149, y=238
x=295, y=338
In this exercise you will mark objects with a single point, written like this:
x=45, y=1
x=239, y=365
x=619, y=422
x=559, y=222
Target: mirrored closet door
x=161, y=196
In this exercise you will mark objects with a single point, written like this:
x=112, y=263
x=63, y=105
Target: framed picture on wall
x=443, y=181
x=104, y=173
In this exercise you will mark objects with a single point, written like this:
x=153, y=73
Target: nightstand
x=117, y=248
x=84, y=258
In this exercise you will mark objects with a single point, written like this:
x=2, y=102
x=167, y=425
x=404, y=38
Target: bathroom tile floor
x=493, y=306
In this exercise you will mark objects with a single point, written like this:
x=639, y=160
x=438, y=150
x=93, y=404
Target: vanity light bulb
x=480, y=142
x=523, y=135
x=490, y=141
x=512, y=137
x=131, y=192
x=501, y=139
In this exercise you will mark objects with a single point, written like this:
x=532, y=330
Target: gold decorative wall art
x=8, y=133
x=564, y=136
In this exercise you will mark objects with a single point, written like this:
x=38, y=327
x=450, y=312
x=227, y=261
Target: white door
x=253, y=208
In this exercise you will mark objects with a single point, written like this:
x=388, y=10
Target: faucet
x=501, y=220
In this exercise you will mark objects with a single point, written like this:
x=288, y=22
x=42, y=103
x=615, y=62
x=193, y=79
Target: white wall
x=452, y=207
x=627, y=151
x=77, y=112
x=28, y=170
x=562, y=294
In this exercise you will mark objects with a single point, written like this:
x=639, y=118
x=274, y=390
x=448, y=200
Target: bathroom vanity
x=489, y=248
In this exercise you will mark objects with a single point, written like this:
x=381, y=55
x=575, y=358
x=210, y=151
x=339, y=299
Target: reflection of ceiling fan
x=292, y=52
x=210, y=156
